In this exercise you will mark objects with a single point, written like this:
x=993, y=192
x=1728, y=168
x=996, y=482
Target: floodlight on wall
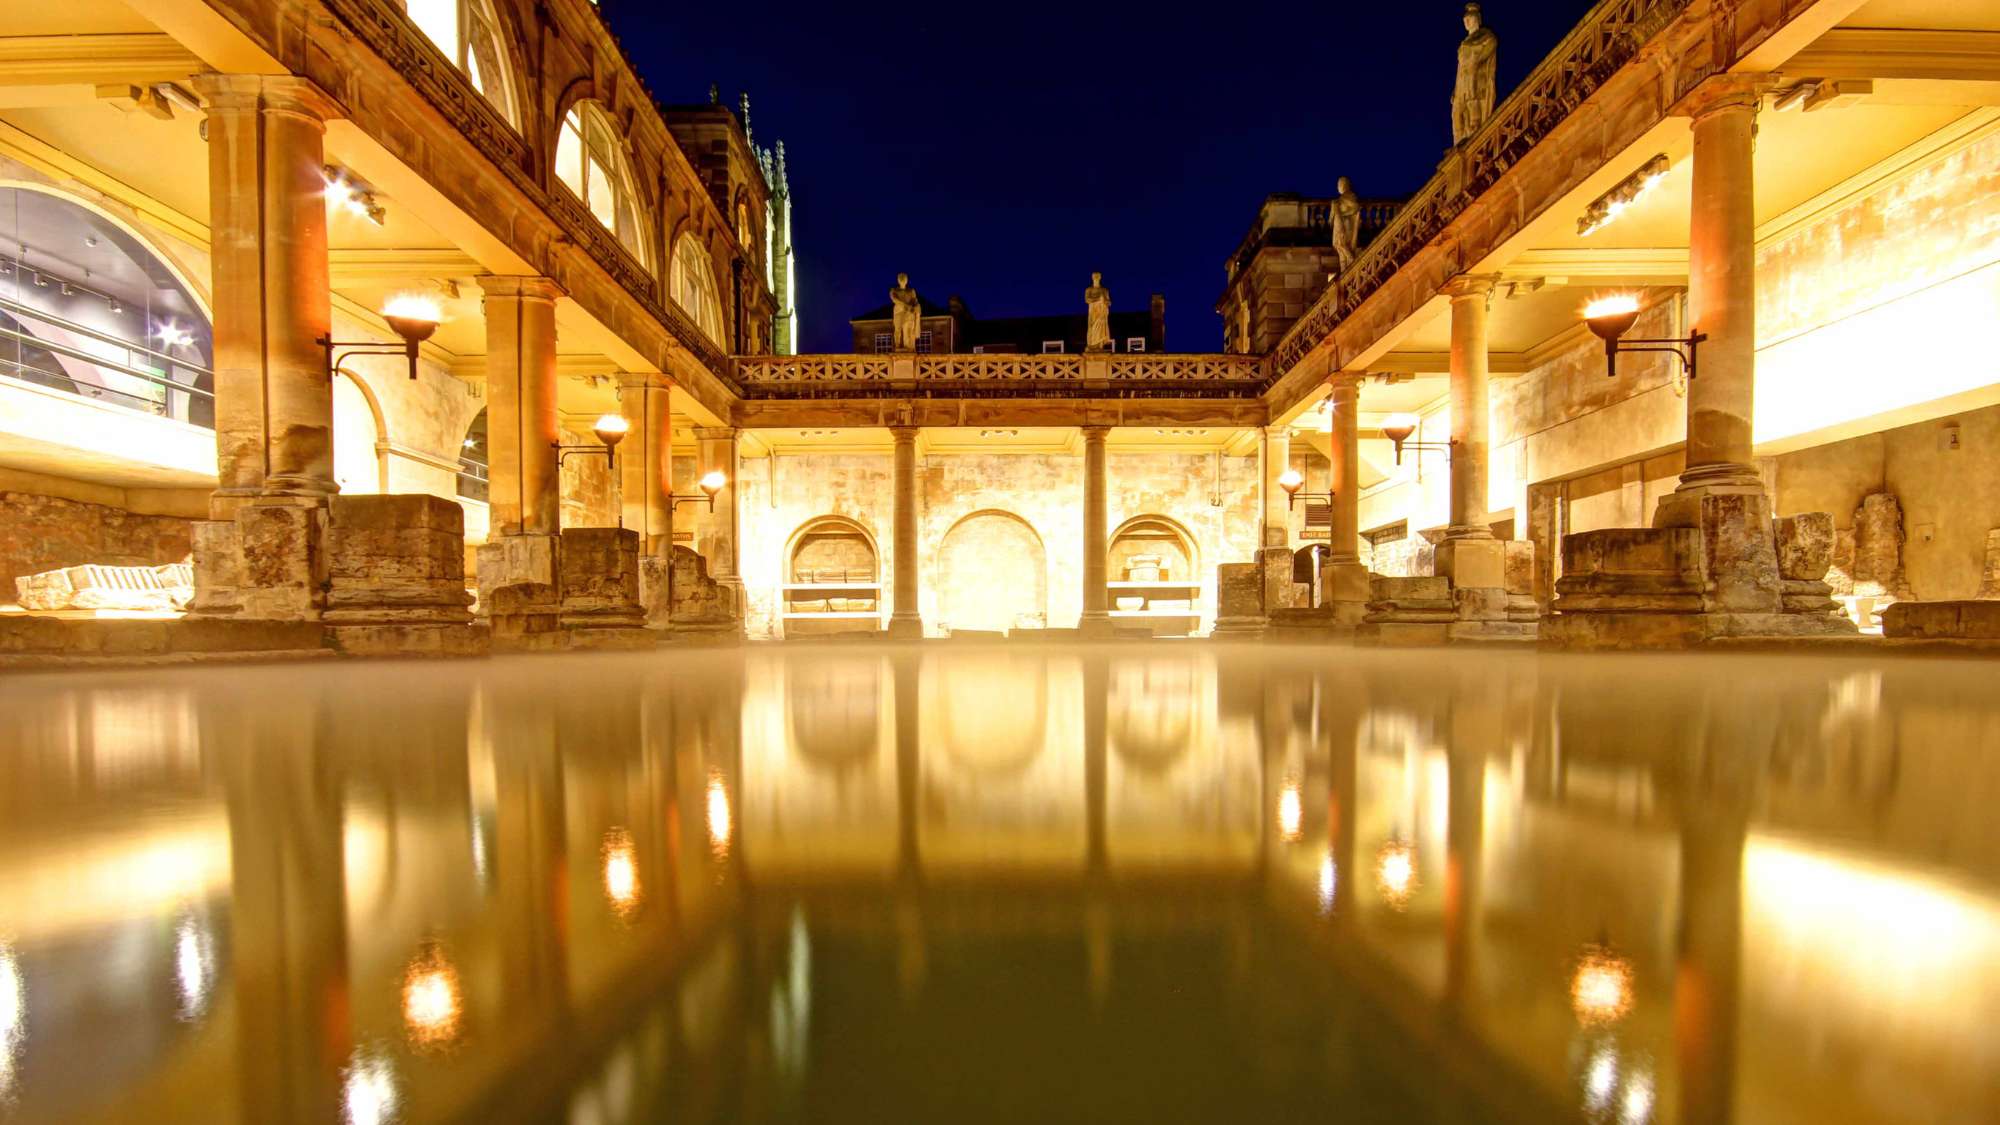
x=1612, y=317
x=711, y=483
x=1607, y=207
x=412, y=316
x=1398, y=428
x=345, y=192
x=1292, y=481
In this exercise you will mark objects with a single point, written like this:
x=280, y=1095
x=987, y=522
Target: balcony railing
x=131, y=375
x=472, y=482
x=1160, y=375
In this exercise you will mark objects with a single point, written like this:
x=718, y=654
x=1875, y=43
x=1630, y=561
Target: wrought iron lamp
x=711, y=483
x=414, y=318
x=1398, y=428
x=610, y=430
x=1292, y=482
x=1612, y=317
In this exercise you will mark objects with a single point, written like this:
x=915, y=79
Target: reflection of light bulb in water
x=368, y=1095
x=1329, y=878
x=1291, y=812
x=433, y=1003
x=194, y=967
x=1396, y=873
x=621, y=872
x=720, y=823
x=1601, y=990
x=13, y=1019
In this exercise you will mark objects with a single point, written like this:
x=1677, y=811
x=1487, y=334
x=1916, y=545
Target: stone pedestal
x=1473, y=563
x=1239, y=600
x=597, y=572
x=396, y=567
x=1740, y=558
x=1521, y=574
x=656, y=590
x=1275, y=563
x=1344, y=588
x=518, y=592
x=1805, y=552
x=267, y=563
x=697, y=604
x=1408, y=611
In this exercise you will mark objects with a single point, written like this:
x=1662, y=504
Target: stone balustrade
x=1135, y=375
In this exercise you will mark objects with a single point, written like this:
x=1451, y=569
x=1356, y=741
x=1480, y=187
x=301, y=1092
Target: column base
x=518, y=592
x=598, y=575
x=1094, y=626
x=267, y=562
x=905, y=628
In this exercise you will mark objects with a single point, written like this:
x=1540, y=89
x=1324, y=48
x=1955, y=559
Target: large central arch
x=992, y=574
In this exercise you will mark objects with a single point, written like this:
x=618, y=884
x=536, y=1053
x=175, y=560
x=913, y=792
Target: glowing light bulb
x=1291, y=480
x=1291, y=812
x=714, y=481
x=611, y=428
x=414, y=306
x=1619, y=304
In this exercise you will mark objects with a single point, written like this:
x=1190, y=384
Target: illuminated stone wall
x=992, y=508
x=39, y=533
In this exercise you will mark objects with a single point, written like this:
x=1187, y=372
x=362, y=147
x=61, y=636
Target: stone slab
x=1953, y=620
x=1473, y=563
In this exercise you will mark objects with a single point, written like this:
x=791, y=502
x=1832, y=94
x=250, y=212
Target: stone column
x=907, y=619
x=645, y=467
x=522, y=430
x=1096, y=534
x=262, y=554
x=1275, y=559
x=1346, y=580
x=1469, y=556
x=1721, y=491
x=517, y=565
x=717, y=538
x=1471, y=300
x=272, y=302
x=645, y=459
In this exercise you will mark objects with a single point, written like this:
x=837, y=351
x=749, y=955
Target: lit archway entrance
x=1154, y=575
x=992, y=575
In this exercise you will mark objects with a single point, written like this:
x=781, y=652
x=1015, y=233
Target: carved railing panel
x=1607, y=38
x=1200, y=375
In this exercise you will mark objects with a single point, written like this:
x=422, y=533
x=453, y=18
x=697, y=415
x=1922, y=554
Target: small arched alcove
x=992, y=575
x=833, y=579
x=1154, y=574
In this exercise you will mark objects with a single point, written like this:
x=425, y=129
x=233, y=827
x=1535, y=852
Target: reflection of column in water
x=1707, y=979
x=531, y=883
x=1465, y=839
x=288, y=903
x=1096, y=767
x=909, y=863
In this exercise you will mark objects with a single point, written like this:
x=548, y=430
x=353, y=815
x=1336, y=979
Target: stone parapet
x=1632, y=570
x=31, y=641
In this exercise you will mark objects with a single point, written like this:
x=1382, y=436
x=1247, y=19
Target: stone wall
x=1946, y=475
x=982, y=512
x=40, y=533
x=590, y=490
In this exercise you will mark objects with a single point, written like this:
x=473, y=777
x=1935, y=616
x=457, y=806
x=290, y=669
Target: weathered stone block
x=698, y=603
x=517, y=585
x=396, y=560
x=1384, y=588
x=1956, y=620
x=1480, y=603
x=1989, y=585
x=284, y=560
x=656, y=590
x=599, y=578
x=1804, y=546
x=1239, y=598
x=1520, y=566
x=1473, y=563
x=1632, y=570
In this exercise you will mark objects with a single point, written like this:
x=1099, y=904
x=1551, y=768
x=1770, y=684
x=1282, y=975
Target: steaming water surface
x=876, y=884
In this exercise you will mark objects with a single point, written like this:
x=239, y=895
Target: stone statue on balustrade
x=1097, y=327
x=1346, y=224
x=906, y=313
x=1472, y=97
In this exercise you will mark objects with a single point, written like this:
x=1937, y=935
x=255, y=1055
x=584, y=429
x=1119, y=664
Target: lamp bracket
x=1683, y=349
x=340, y=351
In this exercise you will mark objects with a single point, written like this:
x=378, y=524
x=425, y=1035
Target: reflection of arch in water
x=1150, y=715
x=993, y=574
x=833, y=709
x=991, y=708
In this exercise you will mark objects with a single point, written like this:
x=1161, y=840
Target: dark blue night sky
x=1003, y=151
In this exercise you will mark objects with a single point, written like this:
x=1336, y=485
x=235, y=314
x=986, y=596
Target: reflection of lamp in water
x=1329, y=879
x=433, y=1002
x=368, y=1094
x=1601, y=990
x=13, y=1018
x=621, y=872
x=1396, y=873
x=1291, y=813
x=719, y=819
x=194, y=967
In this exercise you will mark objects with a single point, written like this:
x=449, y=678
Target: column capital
x=715, y=433
x=904, y=434
x=1095, y=433
x=1723, y=93
x=278, y=93
x=1468, y=286
x=529, y=288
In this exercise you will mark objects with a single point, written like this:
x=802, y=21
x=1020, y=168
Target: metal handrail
x=112, y=365
x=98, y=334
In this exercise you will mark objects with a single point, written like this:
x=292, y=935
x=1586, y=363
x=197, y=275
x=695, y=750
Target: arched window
x=692, y=286
x=468, y=34
x=591, y=163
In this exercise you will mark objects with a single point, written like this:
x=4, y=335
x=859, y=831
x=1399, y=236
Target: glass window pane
x=438, y=20
x=603, y=203
x=569, y=155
